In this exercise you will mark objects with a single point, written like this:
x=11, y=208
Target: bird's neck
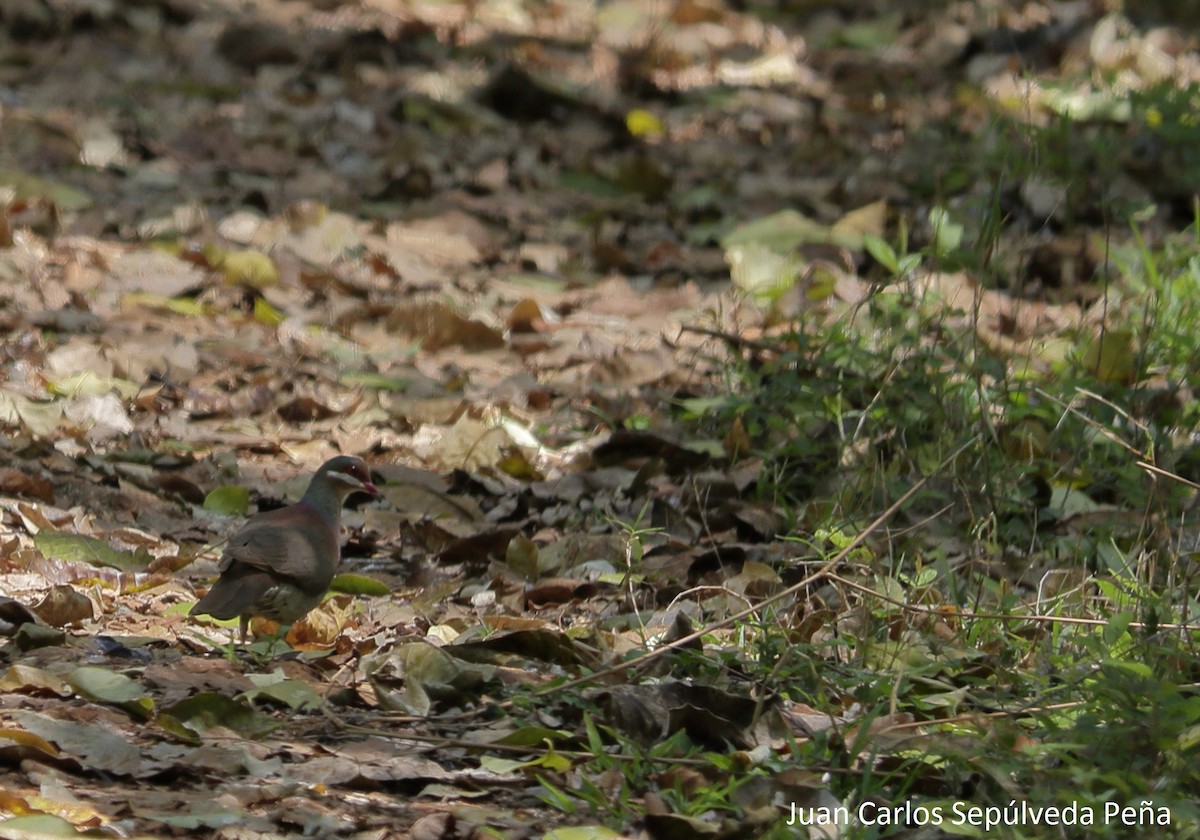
x=325, y=501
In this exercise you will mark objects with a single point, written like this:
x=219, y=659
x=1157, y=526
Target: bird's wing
x=234, y=594
x=284, y=546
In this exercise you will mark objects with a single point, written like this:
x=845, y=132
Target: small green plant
x=897, y=261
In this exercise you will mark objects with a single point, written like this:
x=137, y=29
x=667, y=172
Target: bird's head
x=347, y=474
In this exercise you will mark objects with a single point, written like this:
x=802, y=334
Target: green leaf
x=376, y=381
x=40, y=418
x=882, y=252
x=275, y=686
x=1066, y=501
x=551, y=760
x=531, y=736
x=229, y=500
x=351, y=584
x=585, y=182
x=761, y=271
x=104, y=686
x=581, y=832
x=203, y=711
x=539, y=282
x=201, y=815
x=81, y=549
x=947, y=235
x=1112, y=356
x=642, y=123
x=496, y=764
x=780, y=232
x=1137, y=670
x=179, y=305
x=874, y=33
x=249, y=268
x=38, y=825
x=1117, y=626
x=32, y=188
x=88, y=384
x=267, y=314
x=169, y=723
x=699, y=407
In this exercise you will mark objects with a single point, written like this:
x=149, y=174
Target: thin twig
x=741, y=342
x=921, y=609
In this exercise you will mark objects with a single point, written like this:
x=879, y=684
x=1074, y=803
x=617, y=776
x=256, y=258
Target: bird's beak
x=366, y=486
x=355, y=483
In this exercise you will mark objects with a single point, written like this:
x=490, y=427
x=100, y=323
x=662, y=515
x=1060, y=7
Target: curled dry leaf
x=304, y=410
x=437, y=325
x=64, y=605
x=18, y=483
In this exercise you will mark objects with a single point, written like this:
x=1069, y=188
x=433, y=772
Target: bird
x=280, y=564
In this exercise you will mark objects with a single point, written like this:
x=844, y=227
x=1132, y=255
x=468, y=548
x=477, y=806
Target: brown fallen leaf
x=64, y=605
x=558, y=591
x=304, y=410
x=526, y=317
x=14, y=482
x=437, y=326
